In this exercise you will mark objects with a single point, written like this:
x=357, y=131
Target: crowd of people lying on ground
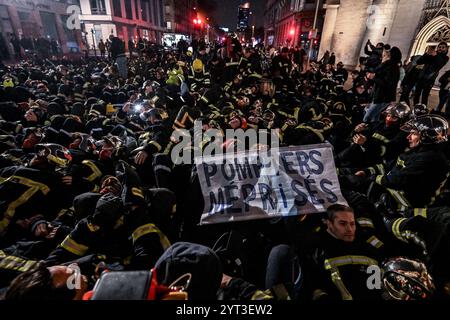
x=88, y=184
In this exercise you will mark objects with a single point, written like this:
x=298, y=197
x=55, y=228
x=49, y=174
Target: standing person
x=118, y=55
x=16, y=45
x=332, y=60
x=374, y=54
x=131, y=47
x=386, y=79
x=326, y=58
x=102, y=48
x=433, y=61
x=444, y=80
x=54, y=47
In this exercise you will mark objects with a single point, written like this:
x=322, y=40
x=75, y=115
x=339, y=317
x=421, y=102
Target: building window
x=155, y=13
x=136, y=9
x=161, y=14
x=69, y=33
x=98, y=7
x=117, y=8
x=128, y=10
x=144, y=10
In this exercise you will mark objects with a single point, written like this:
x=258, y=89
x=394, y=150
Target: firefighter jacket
x=416, y=178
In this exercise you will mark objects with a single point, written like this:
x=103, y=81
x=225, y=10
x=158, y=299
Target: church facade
x=411, y=25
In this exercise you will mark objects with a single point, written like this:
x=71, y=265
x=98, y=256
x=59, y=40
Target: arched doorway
x=432, y=33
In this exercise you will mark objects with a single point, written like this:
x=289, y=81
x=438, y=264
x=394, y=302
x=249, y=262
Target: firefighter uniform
x=25, y=193
x=416, y=178
x=339, y=269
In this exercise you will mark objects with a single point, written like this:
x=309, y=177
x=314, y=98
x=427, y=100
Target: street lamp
x=93, y=42
x=253, y=31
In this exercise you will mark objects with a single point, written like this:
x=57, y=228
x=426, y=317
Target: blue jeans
x=121, y=62
x=373, y=112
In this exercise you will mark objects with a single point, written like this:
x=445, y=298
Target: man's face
x=413, y=139
x=343, y=226
x=65, y=276
x=360, y=89
x=390, y=120
x=442, y=48
x=234, y=123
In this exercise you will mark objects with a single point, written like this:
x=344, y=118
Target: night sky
x=227, y=10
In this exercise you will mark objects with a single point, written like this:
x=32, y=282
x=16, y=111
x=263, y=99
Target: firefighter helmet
x=433, y=129
x=419, y=110
x=406, y=279
x=399, y=110
x=56, y=154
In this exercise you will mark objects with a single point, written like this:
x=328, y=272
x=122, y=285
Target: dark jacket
x=443, y=80
x=386, y=79
x=432, y=66
x=419, y=173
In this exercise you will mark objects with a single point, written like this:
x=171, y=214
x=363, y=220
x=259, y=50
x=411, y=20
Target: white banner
x=256, y=185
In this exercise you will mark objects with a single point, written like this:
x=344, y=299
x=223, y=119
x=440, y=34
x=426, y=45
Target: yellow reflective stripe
x=96, y=188
x=317, y=132
x=396, y=228
x=72, y=246
x=29, y=183
x=365, y=222
x=156, y=144
x=380, y=168
x=119, y=222
x=174, y=208
x=16, y=263
x=261, y=295
x=33, y=188
x=372, y=170
x=2, y=254
x=375, y=242
x=438, y=191
x=380, y=137
x=337, y=280
x=318, y=293
x=400, y=162
x=350, y=259
x=150, y=228
x=383, y=151
x=378, y=179
x=255, y=75
x=420, y=212
x=284, y=127
x=92, y=227
x=96, y=173
x=137, y=192
x=399, y=197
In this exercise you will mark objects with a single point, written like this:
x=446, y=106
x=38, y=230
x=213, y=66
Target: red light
x=292, y=31
x=243, y=39
x=199, y=21
x=195, y=21
x=223, y=38
x=315, y=41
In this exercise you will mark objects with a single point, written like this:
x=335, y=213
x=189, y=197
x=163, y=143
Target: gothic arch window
x=441, y=35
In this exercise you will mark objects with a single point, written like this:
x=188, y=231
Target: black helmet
x=406, y=279
x=83, y=142
x=149, y=83
x=419, y=110
x=399, y=110
x=433, y=129
x=56, y=154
